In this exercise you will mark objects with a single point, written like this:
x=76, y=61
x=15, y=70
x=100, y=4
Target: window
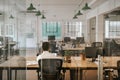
x=51, y=28
x=112, y=29
x=1, y=30
x=73, y=29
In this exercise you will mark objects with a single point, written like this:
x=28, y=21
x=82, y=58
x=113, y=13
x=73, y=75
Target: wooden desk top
x=76, y=62
x=108, y=62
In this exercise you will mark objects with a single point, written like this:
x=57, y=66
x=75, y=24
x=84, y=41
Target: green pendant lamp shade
x=38, y=13
x=79, y=13
x=43, y=17
x=31, y=7
x=11, y=16
x=0, y=13
x=75, y=17
x=107, y=17
x=86, y=7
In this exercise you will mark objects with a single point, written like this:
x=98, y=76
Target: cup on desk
x=83, y=57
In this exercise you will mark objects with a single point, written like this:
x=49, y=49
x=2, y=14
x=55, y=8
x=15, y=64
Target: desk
x=16, y=63
x=76, y=62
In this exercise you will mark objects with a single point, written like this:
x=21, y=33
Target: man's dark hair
x=45, y=46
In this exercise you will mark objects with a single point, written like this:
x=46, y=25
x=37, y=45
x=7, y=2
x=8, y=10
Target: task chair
x=99, y=47
x=97, y=44
x=114, y=76
x=50, y=69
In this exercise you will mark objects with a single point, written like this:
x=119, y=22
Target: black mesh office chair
x=99, y=47
x=50, y=69
x=97, y=44
x=113, y=76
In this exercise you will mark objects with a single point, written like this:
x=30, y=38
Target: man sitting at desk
x=49, y=69
x=46, y=53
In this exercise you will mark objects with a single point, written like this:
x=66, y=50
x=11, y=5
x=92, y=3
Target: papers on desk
x=31, y=63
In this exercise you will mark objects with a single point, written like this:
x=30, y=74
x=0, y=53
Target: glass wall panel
x=111, y=45
x=12, y=44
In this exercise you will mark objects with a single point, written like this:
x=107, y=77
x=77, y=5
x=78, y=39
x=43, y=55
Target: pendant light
x=86, y=7
x=107, y=17
x=43, y=17
x=31, y=7
x=38, y=13
x=0, y=13
x=79, y=13
x=118, y=12
x=75, y=17
x=11, y=16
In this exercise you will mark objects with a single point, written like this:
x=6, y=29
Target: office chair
x=99, y=47
x=97, y=44
x=114, y=76
x=50, y=69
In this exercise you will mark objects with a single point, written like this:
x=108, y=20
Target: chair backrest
x=97, y=44
x=50, y=66
x=118, y=66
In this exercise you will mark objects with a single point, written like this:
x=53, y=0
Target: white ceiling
x=53, y=9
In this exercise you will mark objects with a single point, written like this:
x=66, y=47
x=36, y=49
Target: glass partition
x=12, y=41
x=111, y=45
x=21, y=35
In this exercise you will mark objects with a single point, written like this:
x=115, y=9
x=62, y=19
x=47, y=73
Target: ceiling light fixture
x=0, y=13
x=31, y=7
x=79, y=13
x=43, y=17
x=11, y=16
x=86, y=7
x=75, y=17
x=38, y=13
x=107, y=16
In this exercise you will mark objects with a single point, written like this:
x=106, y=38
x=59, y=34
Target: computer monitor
x=67, y=39
x=51, y=37
x=91, y=52
x=80, y=40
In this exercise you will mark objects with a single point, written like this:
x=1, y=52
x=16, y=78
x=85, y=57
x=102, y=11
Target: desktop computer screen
x=91, y=52
x=51, y=37
x=67, y=39
x=80, y=39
